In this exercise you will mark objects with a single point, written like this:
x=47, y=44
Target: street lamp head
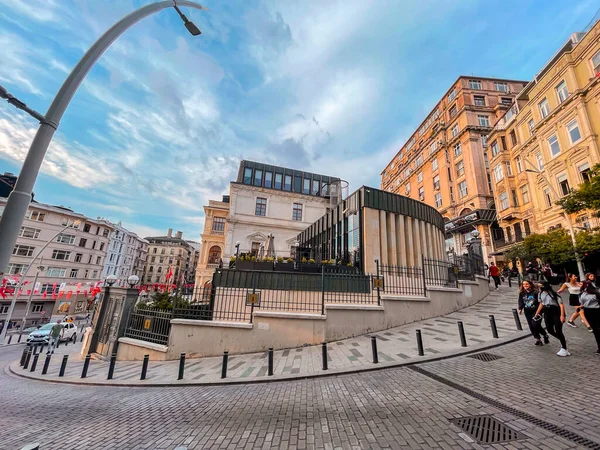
x=189, y=25
x=133, y=280
x=111, y=279
x=475, y=234
x=238, y=243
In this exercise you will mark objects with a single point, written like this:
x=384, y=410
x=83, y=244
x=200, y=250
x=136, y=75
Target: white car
x=42, y=335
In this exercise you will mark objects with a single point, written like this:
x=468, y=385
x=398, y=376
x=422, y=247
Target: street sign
x=378, y=282
x=253, y=298
x=147, y=323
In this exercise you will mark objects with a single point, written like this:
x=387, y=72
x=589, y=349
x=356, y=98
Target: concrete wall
x=287, y=330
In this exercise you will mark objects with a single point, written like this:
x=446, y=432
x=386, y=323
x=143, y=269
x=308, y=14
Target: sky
x=161, y=122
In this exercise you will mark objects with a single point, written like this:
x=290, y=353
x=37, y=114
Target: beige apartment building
x=169, y=254
x=66, y=269
x=547, y=142
x=213, y=239
x=444, y=162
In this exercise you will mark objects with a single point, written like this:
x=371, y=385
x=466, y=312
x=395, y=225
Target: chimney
x=170, y=232
x=178, y=235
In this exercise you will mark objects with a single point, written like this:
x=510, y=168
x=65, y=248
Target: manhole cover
x=485, y=357
x=486, y=429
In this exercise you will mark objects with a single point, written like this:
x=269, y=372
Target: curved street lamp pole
x=564, y=213
x=19, y=198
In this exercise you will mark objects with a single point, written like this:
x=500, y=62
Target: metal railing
x=149, y=325
x=439, y=273
x=402, y=280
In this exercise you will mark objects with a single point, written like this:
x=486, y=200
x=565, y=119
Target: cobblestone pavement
x=396, y=345
x=391, y=408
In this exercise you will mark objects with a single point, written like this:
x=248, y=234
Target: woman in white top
x=574, y=287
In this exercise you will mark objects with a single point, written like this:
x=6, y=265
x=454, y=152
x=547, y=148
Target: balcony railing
x=217, y=232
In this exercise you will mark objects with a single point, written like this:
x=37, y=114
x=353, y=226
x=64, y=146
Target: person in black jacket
x=528, y=304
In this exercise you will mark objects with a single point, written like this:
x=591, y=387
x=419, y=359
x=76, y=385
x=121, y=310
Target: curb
x=519, y=335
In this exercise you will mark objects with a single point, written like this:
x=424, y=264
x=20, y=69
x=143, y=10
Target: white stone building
x=126, y=255
x=70, y=265
x=273, y=200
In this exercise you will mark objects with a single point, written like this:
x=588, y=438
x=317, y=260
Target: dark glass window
x=268, y=179
x=315, y=187
x=247, y=175
x=278, y=180
x=306, y=186
x=288, y=183
x=257, y=177
x=261, y=207
x=297, y=184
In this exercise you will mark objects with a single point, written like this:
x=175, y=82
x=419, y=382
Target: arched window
x=151, y=269
x=159, y=270
x=214, y=254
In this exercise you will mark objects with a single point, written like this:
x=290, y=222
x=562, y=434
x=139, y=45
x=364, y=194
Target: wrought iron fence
x=440, y=273
x=149, y=325
x=402, y=280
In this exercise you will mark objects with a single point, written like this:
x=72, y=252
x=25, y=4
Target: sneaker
x=546, y=339
x=597, y=352
x=571, y=324
x=538, y=343
x=563, y=352
x=590, y=329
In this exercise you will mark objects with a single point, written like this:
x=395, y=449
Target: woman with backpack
x=528, y=304
x=554, y=314
x=590, y=302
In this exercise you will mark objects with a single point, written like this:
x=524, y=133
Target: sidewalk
x=396, y=346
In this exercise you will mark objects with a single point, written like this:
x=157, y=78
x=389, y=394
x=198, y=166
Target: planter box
x=309, y=268
x=284, y=267
x=254, y=265
x=340, y=269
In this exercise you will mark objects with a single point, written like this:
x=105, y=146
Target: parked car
x=42, y=335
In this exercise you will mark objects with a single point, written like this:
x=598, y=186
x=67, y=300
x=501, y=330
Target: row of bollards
x=32, y=352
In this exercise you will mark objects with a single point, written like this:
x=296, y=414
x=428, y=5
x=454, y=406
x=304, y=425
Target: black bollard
x=63, y=366
x=181, y=366
x=324, y=351
x=517, y=319
x=34, y=362
x=270, y=361
x=374, y=349
x=145, y=367
x=420, y=343
x=9, y=339
x=86, y=365
x=493, y=325
x=82, y=335
x=23, y=355
x=224, y=367
x=19, y=341
x=461, y=332
x=67, y=342
x=27, y=358
x=46, y=364
x=509, y=283
x=111, y=366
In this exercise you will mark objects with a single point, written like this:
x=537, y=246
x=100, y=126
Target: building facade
x=169, y=260
x=370, y=225
x=444, y=162
x=274, y=201
x=213, y=239
x=67, y=269
x=548, y=141
x=126, y=255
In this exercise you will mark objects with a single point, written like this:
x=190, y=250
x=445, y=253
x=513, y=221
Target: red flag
x=69, y=294
x=169, y=274
x=60, y=294
x=45, y=294
x=28, y=291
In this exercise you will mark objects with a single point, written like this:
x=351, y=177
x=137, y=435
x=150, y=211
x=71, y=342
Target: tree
x=163, y=301
x=587, y=196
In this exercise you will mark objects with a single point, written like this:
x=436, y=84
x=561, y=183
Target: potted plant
x=284, y=265
x=309, y=266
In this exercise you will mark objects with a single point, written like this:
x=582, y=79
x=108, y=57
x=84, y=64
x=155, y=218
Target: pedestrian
x=554, y=314
x=574, y=287
x=494, y=272
x=528, y=305
x=56, y=334
x=590, y=301
x=547, y=272
x=531, y=271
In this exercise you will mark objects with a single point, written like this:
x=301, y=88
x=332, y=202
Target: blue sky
x=160, y=124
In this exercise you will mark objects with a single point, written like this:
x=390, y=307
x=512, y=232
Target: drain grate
x=486, y=429
x=559, y=431
x=487, y=357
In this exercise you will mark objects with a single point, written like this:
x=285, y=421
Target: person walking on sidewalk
x=494, y=272
x=554, y=314
x=590, y=301
x=56, y=333
x=528, y=304
x=574, y=287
